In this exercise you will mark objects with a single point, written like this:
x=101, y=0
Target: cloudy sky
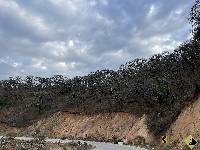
x=76, y=37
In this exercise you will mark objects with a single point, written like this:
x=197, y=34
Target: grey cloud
x=105, y=34
x=6, y=69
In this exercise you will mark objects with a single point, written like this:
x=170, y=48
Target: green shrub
x=115, y=140
x=139, y=141
x=63, y=138
x=4, y=102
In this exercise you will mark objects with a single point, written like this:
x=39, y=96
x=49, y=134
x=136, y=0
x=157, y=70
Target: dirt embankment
x=106, y=126
x=188, y=123
x=109, y=126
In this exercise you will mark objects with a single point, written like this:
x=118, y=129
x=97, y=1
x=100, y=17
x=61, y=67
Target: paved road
x=99, y=145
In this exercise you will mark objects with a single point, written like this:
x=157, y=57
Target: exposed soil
x=99, y=127
x=188, y=123
x=109, y=126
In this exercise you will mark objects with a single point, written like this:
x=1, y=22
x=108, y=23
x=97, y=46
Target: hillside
x=100, y=127
x=112, y=126
x=159, y=88
x=188, y=123
x=142, y=100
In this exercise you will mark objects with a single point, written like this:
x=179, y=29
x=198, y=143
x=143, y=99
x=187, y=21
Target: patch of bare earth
x=105, y=126
x=188, y=123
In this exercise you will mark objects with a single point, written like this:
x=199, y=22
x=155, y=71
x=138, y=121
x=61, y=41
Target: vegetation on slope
x=159, y=87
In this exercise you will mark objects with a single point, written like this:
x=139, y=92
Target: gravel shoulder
x=29, y=143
